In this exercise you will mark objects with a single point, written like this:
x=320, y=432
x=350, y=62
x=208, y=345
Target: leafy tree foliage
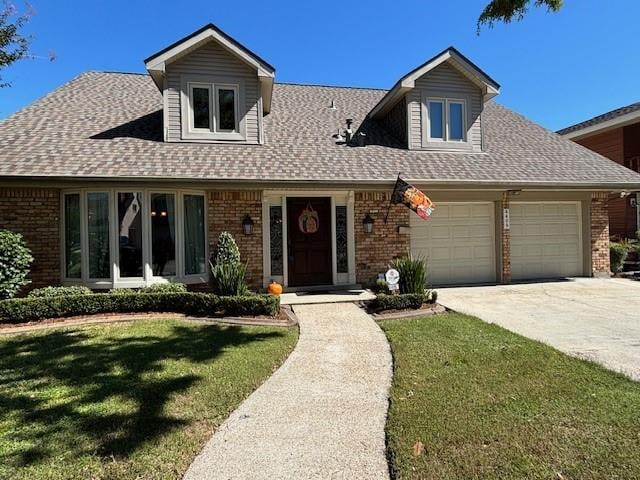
x=509, y=10
x=14, y=45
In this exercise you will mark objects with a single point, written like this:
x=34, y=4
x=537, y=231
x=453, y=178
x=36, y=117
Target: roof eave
x=601, y=127
x=489, y=87
x=157, y=63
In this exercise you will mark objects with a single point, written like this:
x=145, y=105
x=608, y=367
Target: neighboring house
x=616, y=135
x=126, y=179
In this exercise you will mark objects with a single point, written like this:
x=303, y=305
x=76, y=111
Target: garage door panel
x=545, y=240
x=458, y=242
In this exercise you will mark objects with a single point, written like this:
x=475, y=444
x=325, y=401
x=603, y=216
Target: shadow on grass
x=89, y=370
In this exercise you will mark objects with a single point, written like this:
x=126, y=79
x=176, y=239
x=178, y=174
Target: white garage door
x=545, y=240
x=458, y=241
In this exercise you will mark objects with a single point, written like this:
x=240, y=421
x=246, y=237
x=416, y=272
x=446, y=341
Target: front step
x=334, y=296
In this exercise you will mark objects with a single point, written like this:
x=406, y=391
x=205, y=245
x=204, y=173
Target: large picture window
x=131, y=238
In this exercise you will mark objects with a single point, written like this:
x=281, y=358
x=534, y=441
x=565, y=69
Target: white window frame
x=217, y=88
x=213, y=84
x=456, y=101
x=443, y=102
x=446, y=119
x=147, y=278
x=192, y=119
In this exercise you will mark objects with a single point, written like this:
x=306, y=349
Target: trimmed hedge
x=20, y=310
x=403, y=301
x=59, y=291
x=618, y=252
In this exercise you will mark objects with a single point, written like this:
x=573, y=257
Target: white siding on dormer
x=212, y=59
x=444, y=81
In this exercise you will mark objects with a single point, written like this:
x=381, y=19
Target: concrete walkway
x=320, y=416
x=596, y=319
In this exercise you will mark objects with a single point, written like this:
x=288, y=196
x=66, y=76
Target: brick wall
x=226, y=211
x=35, y=213
x=374, y=251
x=600, y=265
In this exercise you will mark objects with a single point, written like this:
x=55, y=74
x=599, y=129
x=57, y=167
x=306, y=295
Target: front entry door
x=309, y=241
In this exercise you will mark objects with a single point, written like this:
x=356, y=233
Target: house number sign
x=506, y=219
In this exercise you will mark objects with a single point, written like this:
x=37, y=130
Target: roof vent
x=348, y=134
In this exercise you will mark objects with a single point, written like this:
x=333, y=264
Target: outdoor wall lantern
x=367, y=223
x=247, y=225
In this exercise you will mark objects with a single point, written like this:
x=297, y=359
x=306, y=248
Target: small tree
x=15, y=261
x=228, y=275
x=227, y=250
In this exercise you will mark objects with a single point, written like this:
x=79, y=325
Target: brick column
x=600, y=265
x=505, y=274
x=376, y=250
x=226, y=211
x=35, y=213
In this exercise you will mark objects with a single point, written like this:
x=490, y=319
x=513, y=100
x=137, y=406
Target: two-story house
x=616, y=135
x=120, y=180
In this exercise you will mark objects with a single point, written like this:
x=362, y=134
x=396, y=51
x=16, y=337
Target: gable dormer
x=438, y=106
x=214, y=89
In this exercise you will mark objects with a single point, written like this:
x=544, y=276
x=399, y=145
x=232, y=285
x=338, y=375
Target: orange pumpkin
x=274, y=288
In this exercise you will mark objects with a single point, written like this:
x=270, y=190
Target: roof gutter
x=484, y=184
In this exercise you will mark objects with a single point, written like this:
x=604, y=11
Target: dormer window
x=210, y=110
x=446, y=120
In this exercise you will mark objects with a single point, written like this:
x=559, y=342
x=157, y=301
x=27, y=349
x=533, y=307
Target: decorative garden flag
x=412, y=198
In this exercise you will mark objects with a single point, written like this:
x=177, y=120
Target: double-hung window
x=446, y=120
x=211, y=111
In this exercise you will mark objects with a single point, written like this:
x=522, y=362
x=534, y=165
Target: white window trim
x=443, y=102
x=217, y=88
x=446, y=119
x=148, y=278
x=191, y=117
x=189, y=132
x=446, y=143
x=456, y=101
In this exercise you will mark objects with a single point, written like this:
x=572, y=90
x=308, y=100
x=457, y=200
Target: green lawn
x=125, y=401
x=489, y=404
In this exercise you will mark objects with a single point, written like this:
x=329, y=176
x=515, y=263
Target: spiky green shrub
x=413, y=274
x=229, y=279
x=15, y=263
x=59, y=291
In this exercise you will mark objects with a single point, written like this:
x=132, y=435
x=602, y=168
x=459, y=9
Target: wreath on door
x=308, y=221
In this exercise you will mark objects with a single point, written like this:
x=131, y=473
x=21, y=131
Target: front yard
x=472, y=400
x=125, y=401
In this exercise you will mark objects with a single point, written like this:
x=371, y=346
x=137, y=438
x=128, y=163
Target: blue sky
x=556, y=69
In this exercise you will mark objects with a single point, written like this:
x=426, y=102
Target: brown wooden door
x=309, y=241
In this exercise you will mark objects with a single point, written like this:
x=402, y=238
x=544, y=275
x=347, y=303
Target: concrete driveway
x=597, y=319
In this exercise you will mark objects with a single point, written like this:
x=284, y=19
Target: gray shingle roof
x=605, y=117
x=109, y=125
